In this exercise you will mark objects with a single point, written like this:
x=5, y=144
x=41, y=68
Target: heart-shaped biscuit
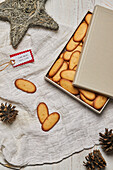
x=47, y=121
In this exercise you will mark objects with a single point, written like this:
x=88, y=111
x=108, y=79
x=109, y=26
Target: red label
x=22, y=58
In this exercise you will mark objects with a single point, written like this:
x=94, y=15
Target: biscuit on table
x=50, y=121
x=42, y=112
x=25, y=85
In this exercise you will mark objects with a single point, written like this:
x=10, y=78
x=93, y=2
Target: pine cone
x=106, y=140
x=8, y=113
x=94, y=161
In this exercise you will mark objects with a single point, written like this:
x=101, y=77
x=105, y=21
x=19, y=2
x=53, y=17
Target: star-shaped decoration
x=23, y=14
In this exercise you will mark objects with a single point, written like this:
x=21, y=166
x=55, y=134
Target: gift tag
x=22, y=58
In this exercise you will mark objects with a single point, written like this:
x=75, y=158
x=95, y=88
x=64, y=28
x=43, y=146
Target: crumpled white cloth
x=24, y=142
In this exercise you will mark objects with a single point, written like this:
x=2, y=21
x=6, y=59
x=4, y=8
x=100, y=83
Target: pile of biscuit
x=48, y=121
x=64, y=69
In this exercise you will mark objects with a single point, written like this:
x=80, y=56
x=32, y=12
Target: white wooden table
x=71, y=12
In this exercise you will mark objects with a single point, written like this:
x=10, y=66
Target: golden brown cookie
x=68, y=54
x=67, y=85
x=56, y=67
x=71, y=45
x=83, y=39
x=88, y=18
x=81, y=32
x=75, y=68
x=61, y=55
x=90, y=102
x=81, y=44
x=50, y=78
x=89, y=95
x=42, y=112
x=68, y=74
x=25, y=85
x=74, y=59
x=57, y=77
x=50, y=121
x=99, y=102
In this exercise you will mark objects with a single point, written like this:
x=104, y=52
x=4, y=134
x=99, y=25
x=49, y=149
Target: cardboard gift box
x=89, y=53
x=95, y=69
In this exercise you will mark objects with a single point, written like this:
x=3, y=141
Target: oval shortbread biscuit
x=42, y=112
x=79, y=48
x=25, y=85
x=89, y=95
x=81, y=44
x=75, y=68
x=74, y=59
x=68, y=54
x=56, y=67
x=88, y=18
x=81, y=32
x=51, y=120
x=99, y=102
x=50, y=78
x=57, y=77
x=83, y=39
x=86, y=100
x=67, y=85
x=71, y=45
x=61, y=55
x=68, y=74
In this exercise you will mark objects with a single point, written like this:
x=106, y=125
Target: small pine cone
x=94, y=161
x=106, y=140
x=8, y=113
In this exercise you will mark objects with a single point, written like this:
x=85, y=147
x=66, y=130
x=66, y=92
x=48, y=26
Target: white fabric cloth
x=24, y=142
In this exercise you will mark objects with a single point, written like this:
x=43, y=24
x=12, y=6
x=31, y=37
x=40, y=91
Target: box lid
x=95, y=68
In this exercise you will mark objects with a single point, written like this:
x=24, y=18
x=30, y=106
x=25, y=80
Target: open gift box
x=84, y=68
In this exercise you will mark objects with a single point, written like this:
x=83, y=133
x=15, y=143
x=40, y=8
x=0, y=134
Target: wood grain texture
x=71, y=12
